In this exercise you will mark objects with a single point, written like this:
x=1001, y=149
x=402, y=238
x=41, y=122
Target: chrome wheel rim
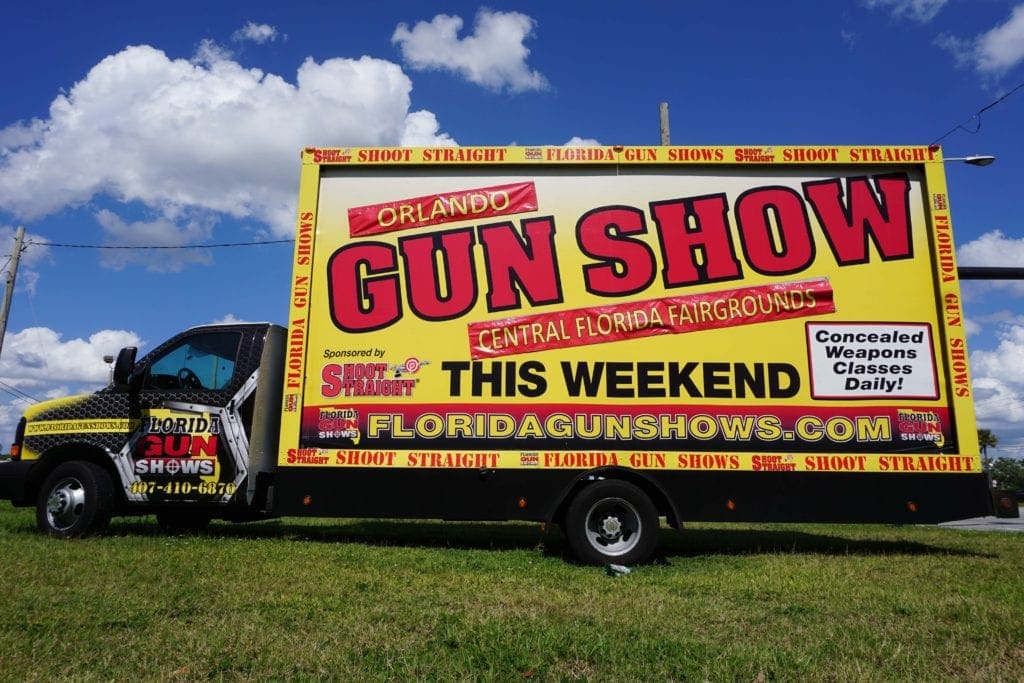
x=613, y=526
x=65, y=504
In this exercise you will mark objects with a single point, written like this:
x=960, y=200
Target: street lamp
x=975, y=160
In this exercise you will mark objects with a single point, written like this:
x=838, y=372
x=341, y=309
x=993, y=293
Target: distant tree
x=1008, y=473
x=986, y=439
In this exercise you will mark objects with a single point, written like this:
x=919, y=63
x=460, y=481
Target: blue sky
x=176, y=125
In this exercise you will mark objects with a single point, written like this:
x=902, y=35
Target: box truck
x=596, y=337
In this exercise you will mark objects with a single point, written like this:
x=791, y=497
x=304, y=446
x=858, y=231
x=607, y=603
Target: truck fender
x=662, y=501
x=66, y=452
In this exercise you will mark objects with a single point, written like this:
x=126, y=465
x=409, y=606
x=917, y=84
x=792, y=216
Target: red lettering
x=153, y=446
x=304, y=239
x=810, y=154
x=433, y=295
x=695, y=154
x=203, y=445
x=958, y=356
x=296, y=339
x=776, y=235
x=301, y=288
x=952, y=310
x=627, y=265
x=363, y=287
x=696, y=243
x=944, y=237
x=331, y=377
x=528, y=261
x=176, y=445
x=884, y=219
x=384, y=155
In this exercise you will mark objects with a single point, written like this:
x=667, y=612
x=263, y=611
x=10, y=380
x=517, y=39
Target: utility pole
x=663, y=117
x=12, y=273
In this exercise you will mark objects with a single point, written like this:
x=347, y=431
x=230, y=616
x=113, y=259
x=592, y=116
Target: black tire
x=183, y=521
x=77, y=499
x=611, y=521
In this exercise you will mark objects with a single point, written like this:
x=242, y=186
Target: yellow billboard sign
x=718, y=308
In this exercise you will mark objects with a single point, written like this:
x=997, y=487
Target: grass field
x=362, y=600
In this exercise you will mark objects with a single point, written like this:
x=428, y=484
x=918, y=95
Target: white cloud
x=997, y=402
x=256, y=33
x=33, y=247
x=998, y=374
x=921, y=11
x=38, y=357
x=999, y=407
x=994, y=249
x=20, y=133
x=993, y=52
x=494, y=56
x=577, y=141
x=210, y=52
x=204, y=135
x=33, y=253
x=39, y=363
x=961, y=50
x=165, y=236
x=423, y=130
x=1005, y=317
x=1003, y=46
x=998, y=379
x=229, y=319
x=974, y=323
x=1005, y=362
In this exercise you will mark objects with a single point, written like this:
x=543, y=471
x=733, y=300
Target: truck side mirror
x=124, y=367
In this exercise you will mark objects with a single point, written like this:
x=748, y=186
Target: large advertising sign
x=674, y=308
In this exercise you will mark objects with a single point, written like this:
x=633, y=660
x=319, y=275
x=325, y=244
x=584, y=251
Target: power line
x=17, y=393
x=222, y=245
x=977, y=116
x=16, y=397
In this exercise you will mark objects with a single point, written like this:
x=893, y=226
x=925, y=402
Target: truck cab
x=194, y=421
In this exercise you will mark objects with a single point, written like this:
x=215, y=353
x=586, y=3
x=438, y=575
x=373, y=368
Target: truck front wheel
x=77, y=499
x=611, y=521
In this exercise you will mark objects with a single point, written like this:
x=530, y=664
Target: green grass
x=362, y=600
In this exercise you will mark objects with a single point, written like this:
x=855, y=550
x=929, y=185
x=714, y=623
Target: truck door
x=191, y=444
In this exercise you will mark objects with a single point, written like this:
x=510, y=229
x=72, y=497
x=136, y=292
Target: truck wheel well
x=66, y=453
x=661, y=501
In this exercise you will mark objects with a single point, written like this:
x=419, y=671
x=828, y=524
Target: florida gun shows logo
x=171, y=444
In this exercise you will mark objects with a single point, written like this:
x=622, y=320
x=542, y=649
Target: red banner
x=437, y=209
x=671, y=315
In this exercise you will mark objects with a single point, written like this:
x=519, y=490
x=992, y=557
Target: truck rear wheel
x=611, y=521
x=77, y=499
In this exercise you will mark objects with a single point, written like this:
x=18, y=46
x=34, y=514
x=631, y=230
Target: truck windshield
x=205, y=360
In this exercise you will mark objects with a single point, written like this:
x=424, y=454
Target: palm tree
x=986, y=439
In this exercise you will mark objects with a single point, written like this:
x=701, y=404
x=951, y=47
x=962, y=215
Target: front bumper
x=14, y=475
